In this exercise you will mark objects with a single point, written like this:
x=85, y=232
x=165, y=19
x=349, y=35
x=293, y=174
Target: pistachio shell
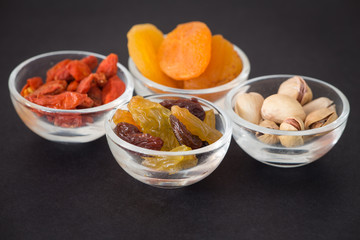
x=321, y=102
x=268, y=138
x=292, y=124
x=248, y=106
x=320, y=118
x=278, y=107
x=297, y=88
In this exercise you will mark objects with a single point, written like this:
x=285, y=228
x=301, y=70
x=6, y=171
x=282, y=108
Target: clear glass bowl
x=144, y=86
x=317, y=141
x=40, y=119
x=130, y=158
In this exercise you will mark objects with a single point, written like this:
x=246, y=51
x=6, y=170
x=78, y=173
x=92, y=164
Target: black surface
x=56, y=191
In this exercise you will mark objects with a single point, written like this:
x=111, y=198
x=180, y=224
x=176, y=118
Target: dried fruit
x=91, y=61
x=210, y=118
x=225, y=65
x=185, y=52
x=183, y=135
x=51, y=88
x=143, y=43
x=192, y=105
x=78, y=69
x=31, y=85
x=65, y=100
x=95, y=94
x=72, y=86
x=171, y=164
x=113, y=89
x=56, y=69
x=108, y=65
x=153, y=119
x=124, y=116
x=133, y=135
x=195, y=125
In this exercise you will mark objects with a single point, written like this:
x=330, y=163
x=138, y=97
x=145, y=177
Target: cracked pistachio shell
x=268, y=138
x=320, y=118
x=297, y=88
x=248, y=106
x=321, y=102
x=278, y=107
x=292, y=124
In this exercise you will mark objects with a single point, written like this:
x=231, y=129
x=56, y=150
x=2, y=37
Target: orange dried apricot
x=225, y=64
x=185, y=52
x=143, y=43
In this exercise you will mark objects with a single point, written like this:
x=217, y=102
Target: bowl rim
x=242, y=76
x=128, y=90
x=229, y=100
x=219, y=143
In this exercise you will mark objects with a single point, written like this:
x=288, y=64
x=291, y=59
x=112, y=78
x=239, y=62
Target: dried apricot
x=143, y=43
x=225, y=64
x=185, y=52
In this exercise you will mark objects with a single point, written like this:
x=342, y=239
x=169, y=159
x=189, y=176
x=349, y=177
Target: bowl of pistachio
x=287, y=120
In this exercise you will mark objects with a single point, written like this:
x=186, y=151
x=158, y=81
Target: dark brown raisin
x=133, y=135
x=192, y=105
x=183, y=135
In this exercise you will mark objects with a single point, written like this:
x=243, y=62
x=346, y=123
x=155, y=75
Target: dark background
x=56, y=191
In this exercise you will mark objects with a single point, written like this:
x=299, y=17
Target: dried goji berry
x=68, y=121
x=65, y=100
x=113, y=89
x=108, y=65
x=51, y=88
x=31, y=85
x=85, y=84
x=50, y=74
x=96, y=95
x=100, y=79
x=91, y=61
x=72, y=86
x=78, y=69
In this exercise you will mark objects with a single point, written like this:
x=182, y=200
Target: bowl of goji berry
x=63, y=96
x=168, y=140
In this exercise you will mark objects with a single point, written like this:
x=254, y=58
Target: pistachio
x=297, y=88
x=320, y=118
x=268, y=138
x=321, y=102
x=292, y=124
x=248, y=106
x=278, y=107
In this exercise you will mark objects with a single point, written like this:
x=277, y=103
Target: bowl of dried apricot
x=287, y=120
x=168, y=140
x=64, y=96
x=189, y=60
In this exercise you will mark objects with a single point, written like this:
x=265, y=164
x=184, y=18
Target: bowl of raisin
x=168, y=140
x=64, y=96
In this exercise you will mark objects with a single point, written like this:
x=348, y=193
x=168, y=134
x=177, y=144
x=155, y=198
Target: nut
x=268, y=138
x=297, y=88
x=320, y=118
x=248, y=106
x=278, y=107
x=292, y=124
x=321, y=102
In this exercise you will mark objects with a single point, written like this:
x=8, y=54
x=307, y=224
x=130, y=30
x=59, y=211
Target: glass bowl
x=144, y=86
x=209, y=157
x=85, y=124
x=317, y=142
